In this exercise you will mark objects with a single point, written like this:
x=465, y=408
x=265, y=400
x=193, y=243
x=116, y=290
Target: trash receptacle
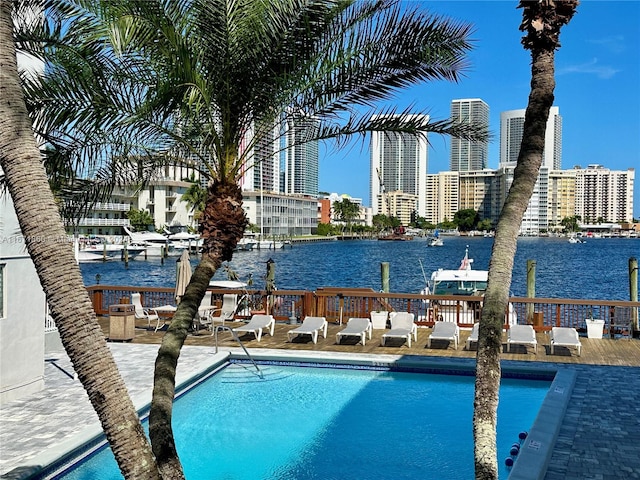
x=538, y=319
x=122, y=322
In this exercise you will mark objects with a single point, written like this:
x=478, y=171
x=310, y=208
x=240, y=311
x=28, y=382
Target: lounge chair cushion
x=356, y=327
x=445, y=331
x=522, y=335
x=564, y=337
x=402, y=326
x=310, y=326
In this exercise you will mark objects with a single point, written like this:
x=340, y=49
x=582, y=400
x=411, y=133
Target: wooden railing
x=340, y=304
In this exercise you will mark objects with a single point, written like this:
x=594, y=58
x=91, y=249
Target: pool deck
x=598, y=437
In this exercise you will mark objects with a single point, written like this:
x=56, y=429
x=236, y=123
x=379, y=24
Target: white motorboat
x=269, y=244
x=576, y=240
x=435, y=242
x=464, y=282
x=185, y=241
x=98, y=246
x=155, y=243
x=246, y=244
x=83, y=256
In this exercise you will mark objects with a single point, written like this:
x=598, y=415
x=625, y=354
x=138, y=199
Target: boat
x=435, y=240
x=465, y=282
x=399, y=235
x=83, y=256
x=246, y=244
x=184, y=241
x=97, y=245
x=155, y=243
x=269, y=244
x=576, y=240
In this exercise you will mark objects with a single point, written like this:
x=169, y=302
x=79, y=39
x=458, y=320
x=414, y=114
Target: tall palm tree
x=69, y=303
x=542, y=21
x=207, y=80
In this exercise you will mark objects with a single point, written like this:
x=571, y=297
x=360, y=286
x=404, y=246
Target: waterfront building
x=478, y=191
x=604, y=195
x=402, y=205
x=299, y=159
x=512, y=129
x=442, y=197
x=466, y=155
x=162, y=198
x=561, y=199
x=398, y=164
x=280, y=215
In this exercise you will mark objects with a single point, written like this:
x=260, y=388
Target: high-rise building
x=512, y=130
x=299, y=159
x=398, y=164
x=443, y=197
x=604, y=195
x=467, y=155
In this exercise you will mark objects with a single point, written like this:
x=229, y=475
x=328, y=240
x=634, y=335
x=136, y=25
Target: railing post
x=633, y=291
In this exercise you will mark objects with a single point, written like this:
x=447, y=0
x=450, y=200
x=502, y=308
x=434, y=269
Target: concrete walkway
x=598, y=439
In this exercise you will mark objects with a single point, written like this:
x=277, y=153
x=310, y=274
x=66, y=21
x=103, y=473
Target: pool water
x=323, y=423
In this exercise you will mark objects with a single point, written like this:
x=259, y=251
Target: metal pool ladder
x=237, y=339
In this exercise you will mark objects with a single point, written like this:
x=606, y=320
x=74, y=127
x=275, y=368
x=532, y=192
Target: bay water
x=597, y=269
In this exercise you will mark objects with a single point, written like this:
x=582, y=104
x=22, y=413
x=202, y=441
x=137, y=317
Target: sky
x=597, y=89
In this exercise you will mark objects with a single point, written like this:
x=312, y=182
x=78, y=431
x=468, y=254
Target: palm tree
x=69, y=303
x=542, y=21
x=207, y=80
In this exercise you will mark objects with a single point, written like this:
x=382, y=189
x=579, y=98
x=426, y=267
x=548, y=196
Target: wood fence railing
x=340, y=304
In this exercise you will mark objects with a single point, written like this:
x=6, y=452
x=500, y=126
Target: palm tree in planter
x=542, y=21
x=208, y=80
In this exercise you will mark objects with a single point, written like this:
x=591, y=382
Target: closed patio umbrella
x=183, y=275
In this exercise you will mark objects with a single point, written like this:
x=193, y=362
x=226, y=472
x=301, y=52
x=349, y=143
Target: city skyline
x=597, y=73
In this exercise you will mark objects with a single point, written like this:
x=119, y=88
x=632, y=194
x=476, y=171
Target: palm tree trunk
x=223, y=224
x=52, y=254
x=501, y=265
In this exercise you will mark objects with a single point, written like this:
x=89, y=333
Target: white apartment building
x=466, y=155
x=398, y=164
x=161, y=198
x=511, y=132
x=443, y=196
x=603, y=194
x=280, y=215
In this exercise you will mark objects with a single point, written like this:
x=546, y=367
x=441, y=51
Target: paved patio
x=599, y=436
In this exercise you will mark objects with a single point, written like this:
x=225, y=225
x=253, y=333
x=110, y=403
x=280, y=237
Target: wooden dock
x=605, y=351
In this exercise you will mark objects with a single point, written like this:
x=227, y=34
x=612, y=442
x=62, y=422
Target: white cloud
x=591, y=68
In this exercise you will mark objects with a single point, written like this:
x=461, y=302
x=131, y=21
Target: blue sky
x=597, y=89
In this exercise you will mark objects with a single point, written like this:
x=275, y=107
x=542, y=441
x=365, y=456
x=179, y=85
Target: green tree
x=206, y=80
x=346, y=211
x=466, y=219
x=195, y=198
x=570, y=224
x=484, y=225
x=68, y=300
x=141, y=220
x=541, y=22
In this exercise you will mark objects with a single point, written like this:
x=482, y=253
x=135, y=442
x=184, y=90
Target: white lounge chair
x=227, y=311
x=310, y=326
x=473, y=336
x=148, y=314
x=203, y=317
x=564, y=337
x=402, y=326
x=445, y=331
x=356, y=327
x=522, y=335
x=257, y=324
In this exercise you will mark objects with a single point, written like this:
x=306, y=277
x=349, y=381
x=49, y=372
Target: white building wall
x=22, y=313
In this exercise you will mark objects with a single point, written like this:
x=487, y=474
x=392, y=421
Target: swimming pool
x=315, y=422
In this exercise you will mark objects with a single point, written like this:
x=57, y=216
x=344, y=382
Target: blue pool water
x=307, y=423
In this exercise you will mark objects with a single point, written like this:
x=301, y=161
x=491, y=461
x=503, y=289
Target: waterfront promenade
x=598, y=438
